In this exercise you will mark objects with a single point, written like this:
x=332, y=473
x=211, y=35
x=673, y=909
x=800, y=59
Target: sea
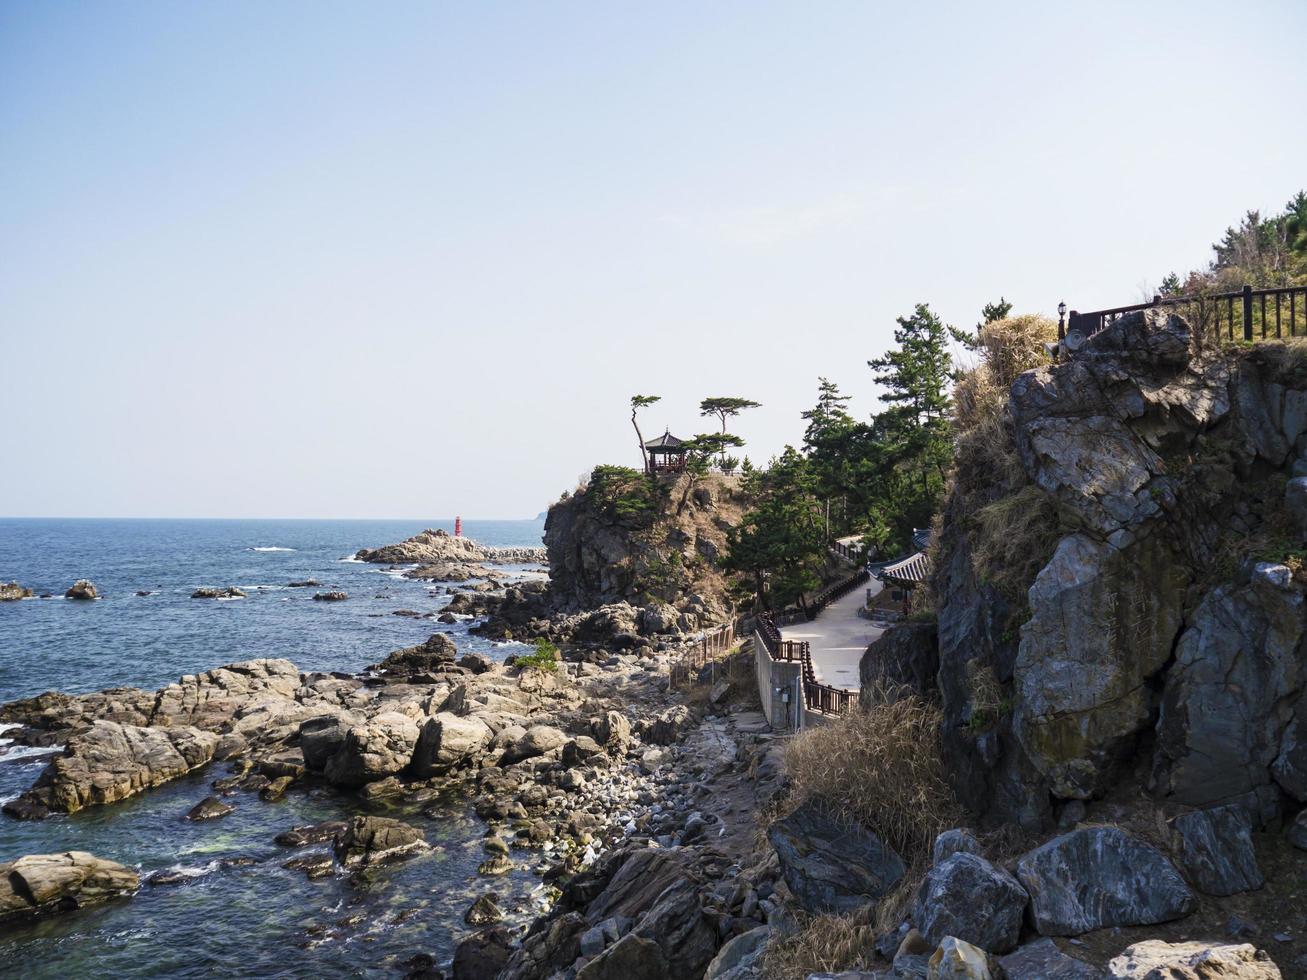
x=232, y=909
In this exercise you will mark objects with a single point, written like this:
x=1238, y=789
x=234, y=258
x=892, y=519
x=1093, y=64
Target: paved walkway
x=838, y=638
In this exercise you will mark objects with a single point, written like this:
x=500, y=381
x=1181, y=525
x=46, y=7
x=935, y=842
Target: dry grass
x=823, y=944
x=1009, y=347
x=882, y=768
x=1015, y=537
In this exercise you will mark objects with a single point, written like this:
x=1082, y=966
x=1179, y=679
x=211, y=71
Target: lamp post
x=1061, y=321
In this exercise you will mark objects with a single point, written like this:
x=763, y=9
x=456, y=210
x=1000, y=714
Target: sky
x=412, y=259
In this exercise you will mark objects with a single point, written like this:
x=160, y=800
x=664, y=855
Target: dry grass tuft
x=882, y=768
x=823, y=944
x=1015, y=537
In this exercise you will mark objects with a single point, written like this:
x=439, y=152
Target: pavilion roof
x=913, y=570
x=664, y=441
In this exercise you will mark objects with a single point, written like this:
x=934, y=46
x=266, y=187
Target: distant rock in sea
x=335, y=595
x=230, y=592
x=82, y=589
x=13, y=591
x=436, y=547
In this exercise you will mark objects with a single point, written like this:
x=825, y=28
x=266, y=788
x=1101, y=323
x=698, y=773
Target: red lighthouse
x=458, y=527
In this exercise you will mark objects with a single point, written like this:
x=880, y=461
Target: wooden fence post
x=1247, y=312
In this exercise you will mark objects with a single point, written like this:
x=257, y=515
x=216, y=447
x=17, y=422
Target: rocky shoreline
x=564, y=763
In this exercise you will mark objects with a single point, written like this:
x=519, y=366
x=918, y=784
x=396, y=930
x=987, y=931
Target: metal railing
x=1258, y=313
x=709, y=648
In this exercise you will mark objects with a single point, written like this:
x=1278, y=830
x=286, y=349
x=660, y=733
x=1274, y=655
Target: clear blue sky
x=405, y=260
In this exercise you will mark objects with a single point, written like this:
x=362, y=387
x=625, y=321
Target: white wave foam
x=8, y=726
x=273, y=548
x=230, y=598
x=13, y=753
x=189, y=872
x=352, y=560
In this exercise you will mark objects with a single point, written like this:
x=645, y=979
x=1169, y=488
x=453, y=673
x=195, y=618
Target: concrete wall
x=775, y=678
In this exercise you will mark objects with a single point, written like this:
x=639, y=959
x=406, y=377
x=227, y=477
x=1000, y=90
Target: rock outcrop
x=605, y=547
x=40, y=883
x=1168, y=614
x=110, y=762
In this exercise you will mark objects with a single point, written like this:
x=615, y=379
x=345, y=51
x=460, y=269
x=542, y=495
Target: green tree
x=638, y=402
x=725, y=408
x=780, y=545
x=706, y=445
x=913, y=430
x=989, y=313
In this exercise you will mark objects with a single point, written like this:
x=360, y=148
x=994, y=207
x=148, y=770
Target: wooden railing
x=852, y=552
x=1259, y=313
x=710, y=647
x=837, y=591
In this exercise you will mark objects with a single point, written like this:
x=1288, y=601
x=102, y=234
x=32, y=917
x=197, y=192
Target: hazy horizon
x=319, y=259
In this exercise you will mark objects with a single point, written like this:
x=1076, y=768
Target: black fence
x=1247, y=313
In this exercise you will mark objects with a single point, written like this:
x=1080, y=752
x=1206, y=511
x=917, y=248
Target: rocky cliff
x=1161, y=643
x=653, y=543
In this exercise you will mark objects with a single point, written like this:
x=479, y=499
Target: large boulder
x=448, y=740
x=1098, y=877
x=60, y=882
x=538, y=740
x=380, y=747
x=1216, y=850
x=967, y=897
x=667, y=726
x=830, y=865
x=110, y=762
x=1159, y=960
x=1103, y=623
x=322, y=737
x=368, y=840
x=1230, y=694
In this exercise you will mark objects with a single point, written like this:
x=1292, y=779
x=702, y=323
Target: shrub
x=882, y=767
x=545, y=656
x=624, y=494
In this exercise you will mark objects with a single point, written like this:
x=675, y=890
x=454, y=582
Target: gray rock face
x=1103, y=622
x=950, y=842
x=967, y=897
x=1216, y=850
x=1042, y=960
x=905, y=658
x=1097, y=877
x=1229, y=696
x=668, y=726
x=380, y=747
x=1297, y=832
x=446, y=741
x=71, y=880
x=1158, y=960
x=1290, y=767
x=831, y=866
x=209, y=808
x=736, y=959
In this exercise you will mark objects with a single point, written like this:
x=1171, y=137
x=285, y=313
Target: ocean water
x=238, y=913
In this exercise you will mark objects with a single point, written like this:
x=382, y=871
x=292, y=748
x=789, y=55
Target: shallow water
x=227, y=920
